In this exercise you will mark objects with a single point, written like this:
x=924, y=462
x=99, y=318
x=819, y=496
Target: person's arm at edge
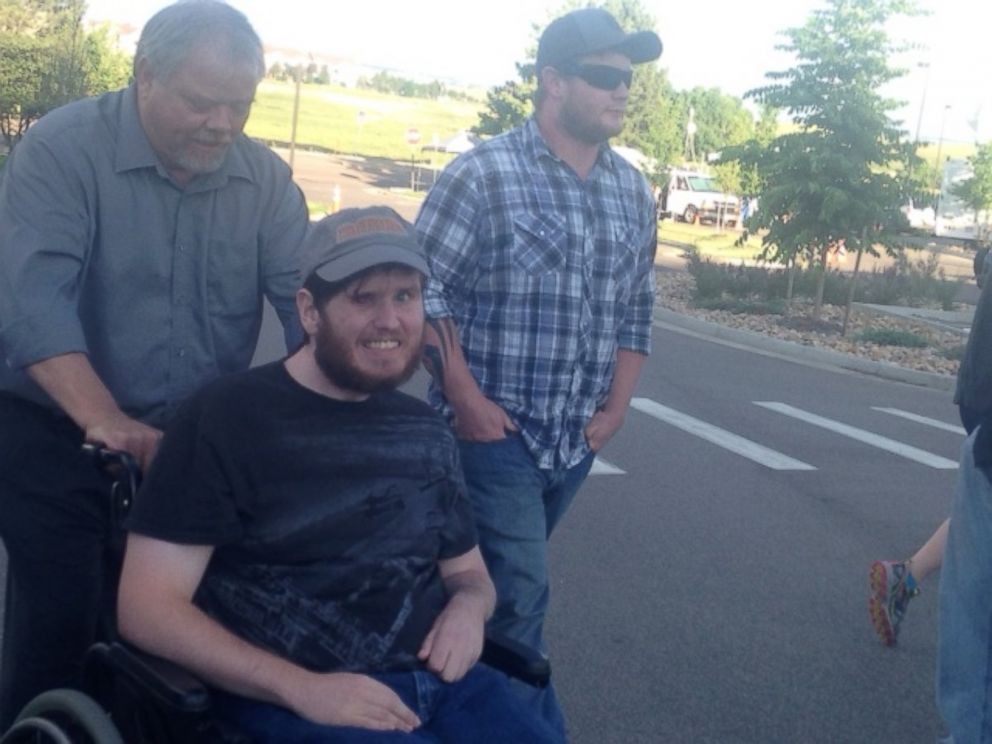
x=455, y=641
x=155, y=611
x=283, y=259
x=70, y=380
x=634, y=341
x=477, y=418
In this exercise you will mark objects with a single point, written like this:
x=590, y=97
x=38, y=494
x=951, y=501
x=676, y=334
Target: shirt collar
x=134, y=151
x=537, y=147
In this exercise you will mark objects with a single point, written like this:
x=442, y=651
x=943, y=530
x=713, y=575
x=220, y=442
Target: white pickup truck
x=694, y=197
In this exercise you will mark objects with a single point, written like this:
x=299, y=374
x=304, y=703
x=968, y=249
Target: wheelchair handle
x=124, y=471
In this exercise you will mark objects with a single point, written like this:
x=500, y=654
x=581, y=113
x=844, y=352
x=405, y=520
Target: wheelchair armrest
x=164, y=681
x=516, y=660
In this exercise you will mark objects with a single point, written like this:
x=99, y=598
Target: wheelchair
x=131, y=697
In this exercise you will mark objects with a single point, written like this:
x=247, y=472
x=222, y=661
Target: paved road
x=704, y=596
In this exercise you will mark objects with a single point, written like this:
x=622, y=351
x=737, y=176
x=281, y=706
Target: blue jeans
x=964, y=647
x=517, y=506
x=478, y=708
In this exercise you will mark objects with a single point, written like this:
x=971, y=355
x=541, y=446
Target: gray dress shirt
x=102, y=253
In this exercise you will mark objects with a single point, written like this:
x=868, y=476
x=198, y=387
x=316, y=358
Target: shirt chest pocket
x=539, y=243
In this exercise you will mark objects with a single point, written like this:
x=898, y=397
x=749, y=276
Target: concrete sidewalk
x=762, y=344
x=958, y=321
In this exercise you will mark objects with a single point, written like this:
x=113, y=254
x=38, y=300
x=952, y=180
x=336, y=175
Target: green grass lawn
x=710, y=241
x=350, y=120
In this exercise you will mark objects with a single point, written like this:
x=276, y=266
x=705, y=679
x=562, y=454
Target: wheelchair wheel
x=63, y=717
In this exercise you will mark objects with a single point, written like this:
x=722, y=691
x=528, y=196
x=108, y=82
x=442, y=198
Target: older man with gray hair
x=139, y=233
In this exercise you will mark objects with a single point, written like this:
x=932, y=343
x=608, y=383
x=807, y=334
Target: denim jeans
x=964, y=647
x=517, y=506
x=477, y=709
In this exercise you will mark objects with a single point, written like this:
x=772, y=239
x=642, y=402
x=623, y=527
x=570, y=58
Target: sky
x=725, y=44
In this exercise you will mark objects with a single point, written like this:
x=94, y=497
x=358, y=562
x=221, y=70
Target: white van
x=954, y=218
x=694, y=197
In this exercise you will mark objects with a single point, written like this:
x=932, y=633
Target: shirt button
x=182, y=352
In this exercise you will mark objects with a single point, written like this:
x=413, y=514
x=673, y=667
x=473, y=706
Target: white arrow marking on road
x=720, y=437
x=602, y=467
x=937, y=424
x=867, y=437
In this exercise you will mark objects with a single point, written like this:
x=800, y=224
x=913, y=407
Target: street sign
x=412, y=136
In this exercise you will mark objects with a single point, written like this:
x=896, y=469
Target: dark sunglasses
x=603, y=77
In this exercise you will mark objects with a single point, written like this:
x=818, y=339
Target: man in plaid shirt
x=541, y=247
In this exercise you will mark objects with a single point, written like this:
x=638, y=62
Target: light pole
x=923, y=99
x=940, y=142
x=919, y=122
x=940, y=146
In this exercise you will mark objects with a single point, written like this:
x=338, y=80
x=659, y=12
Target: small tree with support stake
x=833, y=181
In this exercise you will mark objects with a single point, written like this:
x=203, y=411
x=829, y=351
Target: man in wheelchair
x=302, y=541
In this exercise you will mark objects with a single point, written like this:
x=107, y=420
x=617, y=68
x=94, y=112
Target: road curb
x=760, y=343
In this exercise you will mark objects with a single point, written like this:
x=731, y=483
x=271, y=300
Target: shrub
x=888, y=337
x=903, y=283
x=740, y=306
x=954, y=353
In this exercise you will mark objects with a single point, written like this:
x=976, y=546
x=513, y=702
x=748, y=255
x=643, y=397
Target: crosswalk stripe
x=720, y=437
x=602, y=467
x=866, y=437
x=936, y=423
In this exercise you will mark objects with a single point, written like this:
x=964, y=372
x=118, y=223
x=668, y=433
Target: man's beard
x=585, y=127
x=336, y=360
x=201, y=165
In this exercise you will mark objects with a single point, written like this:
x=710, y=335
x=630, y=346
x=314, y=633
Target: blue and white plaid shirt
x=545, y=275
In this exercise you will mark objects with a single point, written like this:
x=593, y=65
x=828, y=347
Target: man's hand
x=481, y=420
x=73, y=384
x=455, y=641
x=120, y=432
x=344, y=699
x=601, y=428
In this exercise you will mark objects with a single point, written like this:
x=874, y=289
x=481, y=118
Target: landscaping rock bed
x=941, y=355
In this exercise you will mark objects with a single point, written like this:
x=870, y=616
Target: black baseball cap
x=356, y=239
x=589, y=31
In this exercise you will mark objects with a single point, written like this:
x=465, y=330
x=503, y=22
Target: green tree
x=976, y=192
x=765, y=131
x=508, y=105
x=22, y=65
x=721, y=120
x=831, y=182
x=47, y=59
x=105, y=66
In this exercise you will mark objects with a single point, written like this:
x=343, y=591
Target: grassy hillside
x=329, y=117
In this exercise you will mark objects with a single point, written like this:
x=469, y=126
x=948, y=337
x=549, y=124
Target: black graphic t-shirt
x=328, y=517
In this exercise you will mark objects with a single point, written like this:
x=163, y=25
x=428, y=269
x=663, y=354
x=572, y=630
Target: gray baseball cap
x=356, y=239
x=590, y=31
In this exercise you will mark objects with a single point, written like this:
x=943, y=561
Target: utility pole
x=689, y=150
x=940, y=142
x=296, y=116
x=919, y=119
